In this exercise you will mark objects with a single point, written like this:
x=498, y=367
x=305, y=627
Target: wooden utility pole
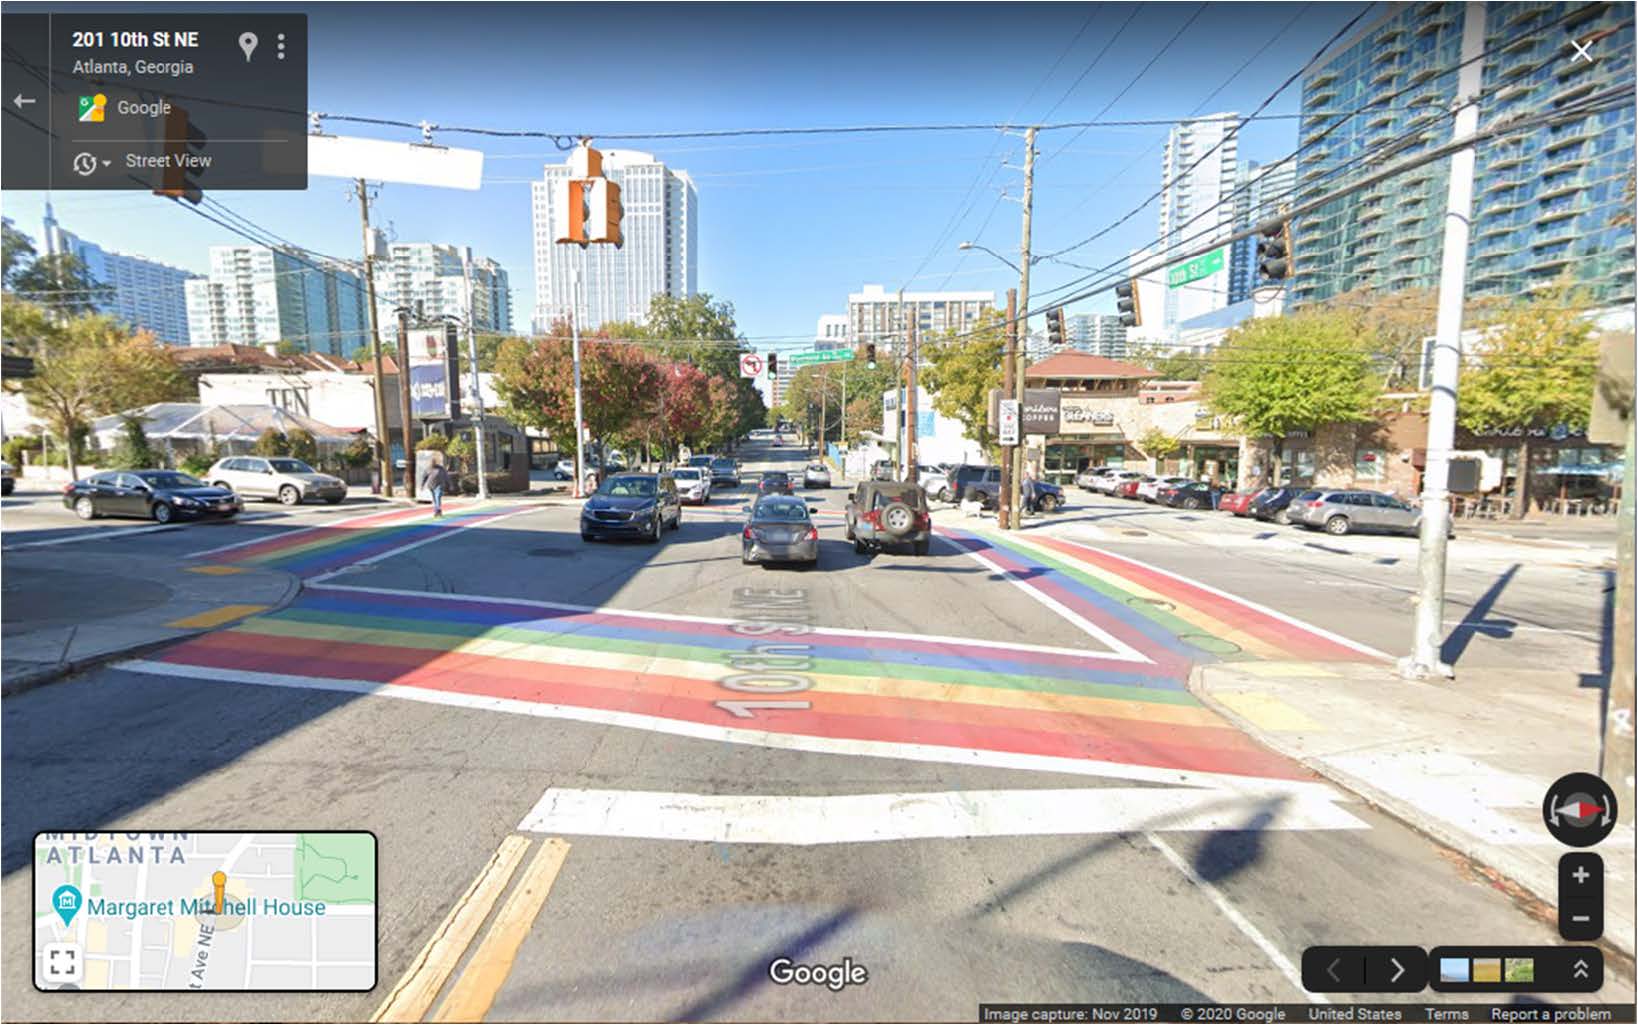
x=1022, y=341
x=383, y=447
x=1003, y=515
x=1616, y=761
x=404, y=399
x=910, y=472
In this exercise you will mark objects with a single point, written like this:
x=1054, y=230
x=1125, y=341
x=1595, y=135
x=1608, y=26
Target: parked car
x=936, y=483
x=1149, y=490
x=883, y=469
x=1193, y=495
x=1129, y=488
x=1340, y=512
x=985, y=482
x=632, y=505
x=702, y=462
x=817, y=475
x=1274, y=504
x=1087, y=478
x=693, y=485
x=159, y=495
x=724, y=472
x=8, y=478
x=775, y=482
x=881, y=513
x=1049, y=497
x=291, y=481
x=1238, y=502
x=779, y=529
x=1110, y=482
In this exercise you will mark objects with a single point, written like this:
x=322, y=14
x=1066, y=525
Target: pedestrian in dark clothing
x=435, y=480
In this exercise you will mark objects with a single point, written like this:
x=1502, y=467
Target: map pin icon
x=247, y=43
x=66, y=902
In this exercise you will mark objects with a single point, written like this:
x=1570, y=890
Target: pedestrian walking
x=434, y=479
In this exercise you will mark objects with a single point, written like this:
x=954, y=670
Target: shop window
x=1370, y=464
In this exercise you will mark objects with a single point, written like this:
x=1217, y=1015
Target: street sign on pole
x=1193, y=270
x=804, y=359
x=1008, y=421
x=750, y=364
x=340, y=156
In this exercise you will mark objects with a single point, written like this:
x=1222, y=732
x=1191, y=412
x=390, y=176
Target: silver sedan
x=779, y=529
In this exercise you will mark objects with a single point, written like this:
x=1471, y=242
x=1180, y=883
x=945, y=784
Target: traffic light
x=773, y=364
x=1055, y=327
x=1126, y=302
x=184, y=149
x=870, y=354
x=589, y=202
x=1274, y=249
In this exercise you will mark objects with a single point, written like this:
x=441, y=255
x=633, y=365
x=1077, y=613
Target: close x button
x=1364, y=969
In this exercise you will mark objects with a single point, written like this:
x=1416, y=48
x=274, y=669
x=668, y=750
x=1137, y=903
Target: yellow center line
x=474, y=990
x=415, y=992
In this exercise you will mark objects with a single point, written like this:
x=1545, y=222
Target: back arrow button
x=20, y=99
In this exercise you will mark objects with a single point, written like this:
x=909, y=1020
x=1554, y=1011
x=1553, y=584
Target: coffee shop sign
x=1557, y=432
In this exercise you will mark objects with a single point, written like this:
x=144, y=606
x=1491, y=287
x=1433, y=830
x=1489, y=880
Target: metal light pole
x=477, y=393
x=1424, y=662
x=404, y=400
x=579, y=414
x=383, y=443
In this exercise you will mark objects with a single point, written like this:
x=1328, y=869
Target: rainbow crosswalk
x=1125, y=707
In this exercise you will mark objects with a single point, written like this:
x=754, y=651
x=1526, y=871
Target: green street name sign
x=802, y=359
x=1197, y=268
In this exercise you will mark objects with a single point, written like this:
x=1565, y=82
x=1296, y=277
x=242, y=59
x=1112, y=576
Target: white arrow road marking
x=863, y=818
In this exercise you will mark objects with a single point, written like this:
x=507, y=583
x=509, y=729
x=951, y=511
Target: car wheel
x=162, y=512
x=923, y=546
x=1283, y=517
x=744, y=557
x=224, y=485
x=655, y=529
x=1337, y=526
x=1191, y=503
x=1049, y=503
x=943, y=494
x=85, y=508
x=289, y=495
x=859, y=547
x=676, y=521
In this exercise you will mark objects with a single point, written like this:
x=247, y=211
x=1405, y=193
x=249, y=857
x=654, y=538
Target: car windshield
x=289, y=466
x=629, y=487
x=700, y=461
x=817, y=468
x=780, y=512
x=722, y=464
x=685, y=473
x=171, y=480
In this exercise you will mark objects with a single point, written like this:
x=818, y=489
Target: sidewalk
x=1466, y=764
x=67, y=611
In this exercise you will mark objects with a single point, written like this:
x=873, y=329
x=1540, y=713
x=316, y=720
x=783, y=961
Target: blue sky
x=788, y=225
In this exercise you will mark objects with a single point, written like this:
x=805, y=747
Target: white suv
x=291, y=481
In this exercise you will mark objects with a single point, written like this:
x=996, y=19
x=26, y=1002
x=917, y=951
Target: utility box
x=1464, y=476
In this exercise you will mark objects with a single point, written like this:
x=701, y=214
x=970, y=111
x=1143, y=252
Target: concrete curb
x=30, y=679
x=1405, y=812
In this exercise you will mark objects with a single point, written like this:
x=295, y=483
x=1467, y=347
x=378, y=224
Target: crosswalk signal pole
x=579, y=413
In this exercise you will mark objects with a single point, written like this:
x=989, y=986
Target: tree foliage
x=303, y=445
x=1275, y=375
x=1157, y=444
x=133, y=452
x=535, y=382
x=271, y=442
x=963, y=367
x=1174, y=365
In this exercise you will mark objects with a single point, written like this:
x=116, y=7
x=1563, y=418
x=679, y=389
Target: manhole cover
x=1135, y=533
x=554, y=553
x=1156, y=602
x=1206, y=642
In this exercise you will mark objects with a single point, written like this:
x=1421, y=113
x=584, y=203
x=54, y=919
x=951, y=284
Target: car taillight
x=1316, y=503
x=812, y=535
x=746, y=533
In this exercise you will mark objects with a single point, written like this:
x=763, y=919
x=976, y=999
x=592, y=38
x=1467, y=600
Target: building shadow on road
x=1478, y=620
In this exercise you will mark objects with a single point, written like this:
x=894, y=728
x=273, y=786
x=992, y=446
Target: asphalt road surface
x=993, y=788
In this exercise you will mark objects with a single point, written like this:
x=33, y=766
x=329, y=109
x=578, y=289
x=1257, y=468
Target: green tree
x=1534, y=368
x=535, y=382
x=85, y=367
x=271, y=442
x=289, y=348
x=1275, y=375
x=1157, y=444
x=359, y=453
x=462, y=450
x=16, y=251
x=133, y=451
x=962, y=369
x=59, y=281
x=1174, y=365
x=302, y=445
x=365, y=353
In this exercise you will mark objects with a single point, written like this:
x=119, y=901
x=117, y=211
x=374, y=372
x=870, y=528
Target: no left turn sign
x=750, y=365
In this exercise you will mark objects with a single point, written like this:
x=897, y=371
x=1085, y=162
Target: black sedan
x=775, y=482
x=159, y=495
x=1193, y=495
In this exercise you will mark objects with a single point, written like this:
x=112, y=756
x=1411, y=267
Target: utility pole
x=1021, y=341
x=579, y=413
x=1423, y=662
x=1009, y=359
x=477, y=393
x=911, y=459
x=404, y=401
x=898, y=387
x=1616, y=761
x=841, y=464
x=383, y=445
x=824, y=409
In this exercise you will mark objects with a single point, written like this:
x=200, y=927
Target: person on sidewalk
x=434, y=479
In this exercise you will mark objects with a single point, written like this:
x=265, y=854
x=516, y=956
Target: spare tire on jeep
x=898, y=519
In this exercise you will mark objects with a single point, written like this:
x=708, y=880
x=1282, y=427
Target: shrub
x=432, y=443
x=302, y=445
x=133, y=451
x=16, y=445
x=272, y=443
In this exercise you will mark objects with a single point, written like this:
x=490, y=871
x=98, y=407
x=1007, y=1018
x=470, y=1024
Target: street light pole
x=579, y=413
x=477, y=393
x=1428, y=633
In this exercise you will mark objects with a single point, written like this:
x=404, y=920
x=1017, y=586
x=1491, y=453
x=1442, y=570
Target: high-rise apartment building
x=258, y=295
x=432, y=274
x=1198, y=172
x=660, y=254
x=878, y=315
x=1545, y=200
x=831, y=332
x=143, y=293
x=1260, y=192
x=1101, y=334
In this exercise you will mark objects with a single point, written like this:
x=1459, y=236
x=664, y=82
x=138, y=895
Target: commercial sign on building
x=1083, y=414
x=434, y=373
x=1040, y=411
x=1193, y=270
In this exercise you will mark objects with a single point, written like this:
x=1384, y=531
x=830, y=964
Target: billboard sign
x=1039, y=414
x=434, y=373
